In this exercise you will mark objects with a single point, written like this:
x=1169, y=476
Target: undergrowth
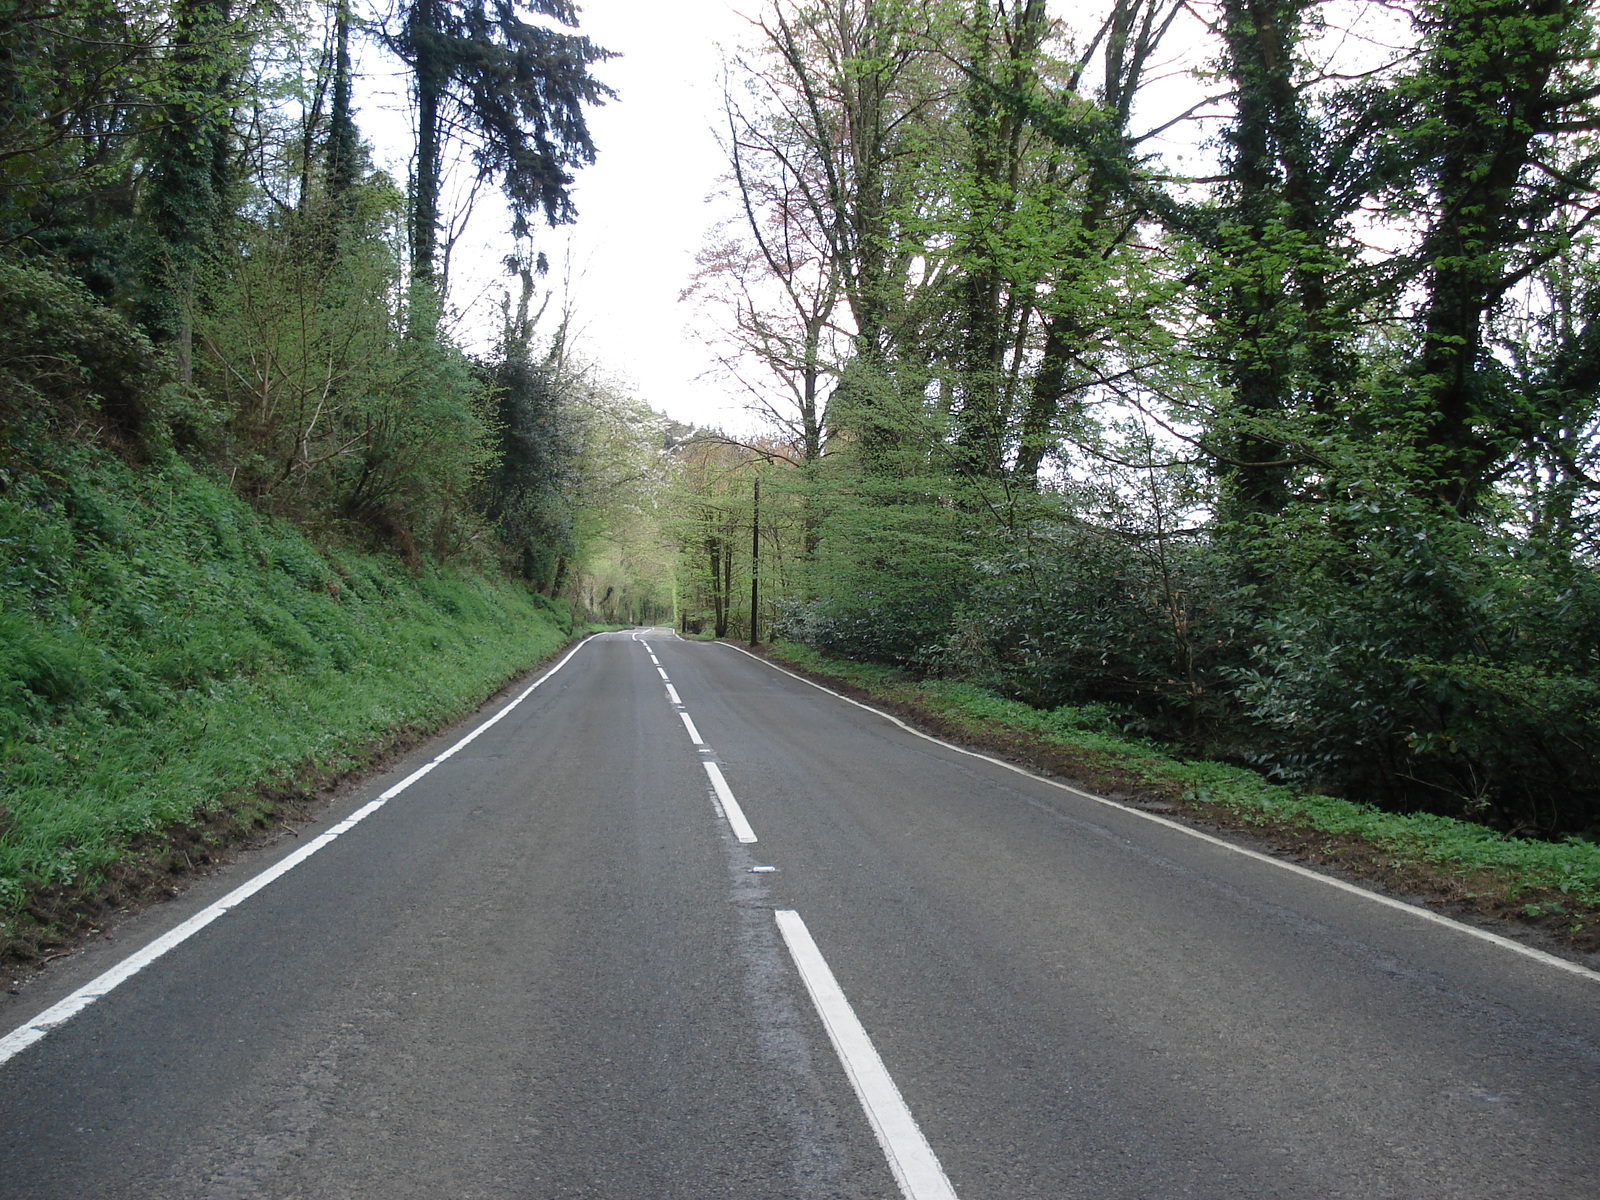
x=166, y=654
x=1522, y=868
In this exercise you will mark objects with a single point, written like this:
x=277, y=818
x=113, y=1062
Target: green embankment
x=1556, y=881
x=169, y=656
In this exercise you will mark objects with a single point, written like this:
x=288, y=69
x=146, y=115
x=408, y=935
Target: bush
x=1435, y=667
x=1077, y=613
x=893, y=569
x=66, y=358
x=329, y=410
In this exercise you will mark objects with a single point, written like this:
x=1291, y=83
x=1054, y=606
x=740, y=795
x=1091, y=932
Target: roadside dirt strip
x=672, y=923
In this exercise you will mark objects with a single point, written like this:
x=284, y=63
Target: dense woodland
x=1226, y=371
x=198, y=257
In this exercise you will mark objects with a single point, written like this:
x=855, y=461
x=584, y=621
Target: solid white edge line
x=916, y=1168
x=65, y=1009
x=730, y=806
x=1505, y=943
x=672, y=694
x=694, y=734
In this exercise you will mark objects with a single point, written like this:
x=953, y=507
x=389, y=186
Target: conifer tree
x=515, y=89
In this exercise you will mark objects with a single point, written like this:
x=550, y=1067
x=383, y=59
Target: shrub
x=1433, y=666
x=66, y=358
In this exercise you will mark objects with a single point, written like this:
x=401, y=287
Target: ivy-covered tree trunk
x=344, y=143
x=430, y=74
x=720, y=560
x=1255, y=322
x=1103, y=214
x=1003, y=47
x=1062, y=336
x=1489, y=101
x=190, y=155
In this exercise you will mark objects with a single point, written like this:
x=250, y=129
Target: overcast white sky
x=643, y=207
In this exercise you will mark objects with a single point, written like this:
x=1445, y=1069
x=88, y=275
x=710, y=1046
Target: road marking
x=730, y=806
x=916, y=1168
x=1505, y=943
x=672, y=694
x=64, y=1010
x=661, y=673
x=694, y=734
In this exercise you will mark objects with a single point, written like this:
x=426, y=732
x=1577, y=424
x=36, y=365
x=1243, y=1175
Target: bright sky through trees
x=646, y=206
x=642, y=208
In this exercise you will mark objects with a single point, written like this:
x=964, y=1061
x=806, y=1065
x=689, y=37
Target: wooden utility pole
x=755, y=562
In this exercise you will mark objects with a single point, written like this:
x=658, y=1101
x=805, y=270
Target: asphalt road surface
x=548, y=967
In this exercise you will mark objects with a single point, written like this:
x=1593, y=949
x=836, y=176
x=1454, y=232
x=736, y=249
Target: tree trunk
x=189, y=180
x=429, y=79
x=1256, y=323
x=1493, y=112
x=755, y=562
x=344, y=147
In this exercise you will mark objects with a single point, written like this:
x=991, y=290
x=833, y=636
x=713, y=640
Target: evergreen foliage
x=531, y=488
x=1295, y=462
x=515, y=89
x=197, y=167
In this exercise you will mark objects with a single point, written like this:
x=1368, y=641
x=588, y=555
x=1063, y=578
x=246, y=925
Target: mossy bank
x=170, y=660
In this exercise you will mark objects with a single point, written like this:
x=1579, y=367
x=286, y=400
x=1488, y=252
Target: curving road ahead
x=551, y=961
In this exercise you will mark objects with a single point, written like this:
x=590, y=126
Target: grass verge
x=1550, y=887
x=176, y=670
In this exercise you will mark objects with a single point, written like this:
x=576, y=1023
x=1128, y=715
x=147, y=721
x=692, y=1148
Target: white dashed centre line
x=730, y=806
x=915, y=1166
x=694, y=734
x=916, y=1169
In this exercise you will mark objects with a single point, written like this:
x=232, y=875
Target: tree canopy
x=515, y=90
x=200, y=258
x=1261, y=407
